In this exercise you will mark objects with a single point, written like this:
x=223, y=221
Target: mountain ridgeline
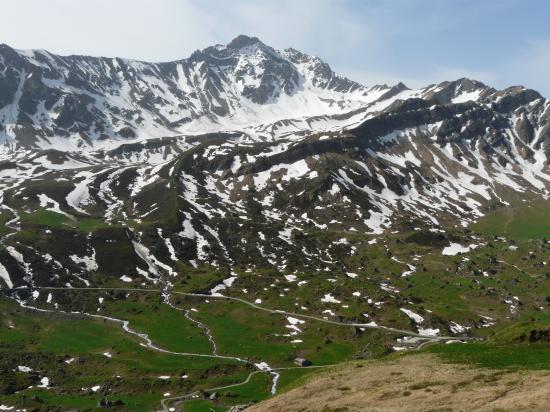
x=236, y=156
x=88, y=99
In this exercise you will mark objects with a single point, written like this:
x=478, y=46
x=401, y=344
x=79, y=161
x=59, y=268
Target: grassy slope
x=42, y=341
x=444, y=286
x=505, y=348
x=416, y=382
x=518, y=221
x=54, y=219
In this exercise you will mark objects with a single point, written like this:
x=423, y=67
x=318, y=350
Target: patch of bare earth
x=415, y=383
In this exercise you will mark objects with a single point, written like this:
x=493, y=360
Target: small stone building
x=302, y=362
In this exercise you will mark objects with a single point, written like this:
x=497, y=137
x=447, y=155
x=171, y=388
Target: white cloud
x=142, y=29
x=322, y=27
x=172, y=29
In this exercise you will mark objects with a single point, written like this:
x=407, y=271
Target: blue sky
x=500, y=42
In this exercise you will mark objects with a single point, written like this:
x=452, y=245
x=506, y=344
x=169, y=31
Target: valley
x=211, y=232
x=247, y=334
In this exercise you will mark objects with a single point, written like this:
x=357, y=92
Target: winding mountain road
x=255, y=306
x=215, y=355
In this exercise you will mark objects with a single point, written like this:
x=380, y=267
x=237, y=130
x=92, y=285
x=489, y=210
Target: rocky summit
x=251, y=209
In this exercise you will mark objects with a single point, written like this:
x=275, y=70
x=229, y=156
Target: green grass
x=496, y=356
x=58, y=220
x=44, y=398
x=519, y=330
x=166, y=326
x=254, y=391
x=237, y=332
x=91, y=224
x=41, y=341
x=504, y=348
x=260, y=336
x=443, y=289
x=5, y=216
x=200, y=279
x=257, y=389
x=78, y=337
x=238, y=329
x=294, y=377
x=520, y=222
x=45, y=218
x=84, y=337
x=202, y=405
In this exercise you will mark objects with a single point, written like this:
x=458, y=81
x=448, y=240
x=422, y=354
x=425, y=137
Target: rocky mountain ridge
x=80, y=102
x=359, y=159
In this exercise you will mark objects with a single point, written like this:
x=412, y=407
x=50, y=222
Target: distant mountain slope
x=84, y=103
x=73, y=101
x=238, y=152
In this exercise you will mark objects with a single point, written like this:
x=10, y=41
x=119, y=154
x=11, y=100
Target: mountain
x=97, y=138
x=169, y=228
x=80, y=102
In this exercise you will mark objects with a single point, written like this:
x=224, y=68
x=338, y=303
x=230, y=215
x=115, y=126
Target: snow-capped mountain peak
x=49, y=99
x=246, y=133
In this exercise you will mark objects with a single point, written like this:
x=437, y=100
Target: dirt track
x=416, y=383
